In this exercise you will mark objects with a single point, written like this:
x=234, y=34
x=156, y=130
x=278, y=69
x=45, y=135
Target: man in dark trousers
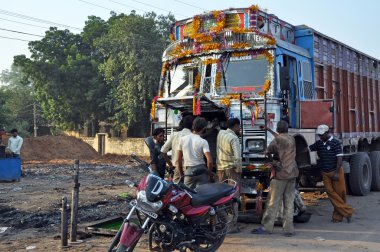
x=330, y=155
x=158, y=161
x=282, y=185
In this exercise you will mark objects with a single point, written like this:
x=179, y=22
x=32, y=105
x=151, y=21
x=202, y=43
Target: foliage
x=109, y=72
x=132, y=51
x=16, y=101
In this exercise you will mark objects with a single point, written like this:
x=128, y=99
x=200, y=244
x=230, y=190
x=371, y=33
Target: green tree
x=16, y=101
x=63, y=68
x=132, y=51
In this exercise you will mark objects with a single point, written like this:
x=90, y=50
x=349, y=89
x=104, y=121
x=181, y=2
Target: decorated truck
x=249, y=64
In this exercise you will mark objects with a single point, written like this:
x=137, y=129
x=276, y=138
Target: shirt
x=228, y=152
x=284, y=147
x=328, y=153
x=15, y=144
x=173, y=144
x=159, y=160
x=193, y=148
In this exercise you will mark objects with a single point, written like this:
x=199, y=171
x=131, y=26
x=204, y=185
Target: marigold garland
x=153, y=110
x=210, y=61
x=240, y=45
x=218, y=79
x=268, y=56
x=226, y=101
x=197, y=82
x=171, y=36
x=266, y=87
x=254, y=8
x=211, y=46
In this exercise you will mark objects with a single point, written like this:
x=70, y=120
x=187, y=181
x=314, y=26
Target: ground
x=31, y=209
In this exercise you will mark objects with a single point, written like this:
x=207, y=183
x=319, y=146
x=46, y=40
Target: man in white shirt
x=193, y=148
x=173, y=144
x=15, y=143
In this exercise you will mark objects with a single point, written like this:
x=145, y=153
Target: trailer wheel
x=306, y=181
x=375, y=164
x=360, y=174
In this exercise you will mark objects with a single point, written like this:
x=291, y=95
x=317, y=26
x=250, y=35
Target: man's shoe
x=289, y=234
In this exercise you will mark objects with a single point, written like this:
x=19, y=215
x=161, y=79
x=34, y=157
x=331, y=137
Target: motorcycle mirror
x=130, y=183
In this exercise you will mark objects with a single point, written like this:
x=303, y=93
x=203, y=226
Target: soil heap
x=56, y=147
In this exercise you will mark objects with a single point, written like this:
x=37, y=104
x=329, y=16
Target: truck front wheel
x=360, y=174
x=375, y=164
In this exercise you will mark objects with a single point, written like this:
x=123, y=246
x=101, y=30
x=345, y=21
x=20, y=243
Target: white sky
x=355, y=23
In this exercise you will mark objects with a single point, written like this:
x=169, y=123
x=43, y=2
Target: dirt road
x=30, y=208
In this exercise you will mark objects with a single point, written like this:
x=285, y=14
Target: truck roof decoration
x=232, y=29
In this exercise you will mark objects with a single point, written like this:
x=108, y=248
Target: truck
x=249, y=64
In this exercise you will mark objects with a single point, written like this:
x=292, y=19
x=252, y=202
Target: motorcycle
x=176, y=217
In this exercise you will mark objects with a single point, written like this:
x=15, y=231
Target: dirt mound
x=56, y=147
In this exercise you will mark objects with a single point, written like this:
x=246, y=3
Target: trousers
x=336, y=191
x=280, y=191
x=195, y=176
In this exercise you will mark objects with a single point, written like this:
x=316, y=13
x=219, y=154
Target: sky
x=355, y=23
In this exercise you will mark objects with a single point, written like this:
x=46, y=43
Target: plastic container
x=10, y=169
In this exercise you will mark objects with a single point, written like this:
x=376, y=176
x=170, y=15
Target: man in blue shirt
x=330, y=155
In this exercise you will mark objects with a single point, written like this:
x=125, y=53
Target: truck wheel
x=375, y=164
x=306, y=181
x=360, y=174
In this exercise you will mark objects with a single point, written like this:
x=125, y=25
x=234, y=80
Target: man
x=330, y=155
x=15, y=143
x=228, y=159
x=193, y=148
x=282, y=185
x=173, y=144
x=158, y=162
x=210, y=135
x=228, y=154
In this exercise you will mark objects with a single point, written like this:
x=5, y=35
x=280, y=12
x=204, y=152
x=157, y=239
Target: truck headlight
x=255, y=145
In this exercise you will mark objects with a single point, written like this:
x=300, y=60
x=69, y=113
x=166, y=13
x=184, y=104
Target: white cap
x=322, y=129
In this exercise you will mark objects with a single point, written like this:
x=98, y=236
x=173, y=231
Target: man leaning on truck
x=330, y=155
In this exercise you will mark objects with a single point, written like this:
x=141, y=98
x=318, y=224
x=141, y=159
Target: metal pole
x=35, y=119
x=64, y=226
x=74, y=200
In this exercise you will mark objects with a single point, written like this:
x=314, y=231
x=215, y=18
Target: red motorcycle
x=176, y=217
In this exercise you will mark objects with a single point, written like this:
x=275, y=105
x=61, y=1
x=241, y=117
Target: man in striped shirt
x=228, y=159
x=330, y=155
x=228, y=154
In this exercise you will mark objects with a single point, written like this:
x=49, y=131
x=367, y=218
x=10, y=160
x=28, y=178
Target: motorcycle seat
x=208, y=194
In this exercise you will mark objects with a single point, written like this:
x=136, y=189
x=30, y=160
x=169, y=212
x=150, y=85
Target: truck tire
x=375, y=164
x=306, y=181
x=360, y=174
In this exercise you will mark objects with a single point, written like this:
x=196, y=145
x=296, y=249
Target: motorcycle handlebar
x=184, y=187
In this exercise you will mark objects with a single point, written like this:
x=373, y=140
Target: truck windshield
x=182, y=78
x=246, y=73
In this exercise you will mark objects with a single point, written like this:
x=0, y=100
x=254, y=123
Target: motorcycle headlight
x=146, y=205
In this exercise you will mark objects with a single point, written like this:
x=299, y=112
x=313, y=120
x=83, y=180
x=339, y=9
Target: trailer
x=249, y=64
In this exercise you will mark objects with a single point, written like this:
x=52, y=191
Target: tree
x=63, y=68
x=132, y=50
x=16, y=101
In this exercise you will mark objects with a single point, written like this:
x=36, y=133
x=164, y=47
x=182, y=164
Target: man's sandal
x=259, y=230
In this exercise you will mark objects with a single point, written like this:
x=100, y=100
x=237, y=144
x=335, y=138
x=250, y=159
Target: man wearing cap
x=330, y=155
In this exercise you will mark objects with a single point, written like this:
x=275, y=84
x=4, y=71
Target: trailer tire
x=360, y=174
x=375, y=164
x=306, y=181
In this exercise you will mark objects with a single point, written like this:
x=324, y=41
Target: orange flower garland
x=254, y=8
x=240, y=45
x=218, y=78
x=266, y=87
x=210, y=61
x=197, y=81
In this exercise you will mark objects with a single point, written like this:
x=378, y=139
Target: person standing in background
x=173, y=144
x=15, y=143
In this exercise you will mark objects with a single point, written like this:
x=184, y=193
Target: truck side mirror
x=284, y=78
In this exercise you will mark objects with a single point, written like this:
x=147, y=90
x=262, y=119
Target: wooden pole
x=64, y=224
x=74, y=202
